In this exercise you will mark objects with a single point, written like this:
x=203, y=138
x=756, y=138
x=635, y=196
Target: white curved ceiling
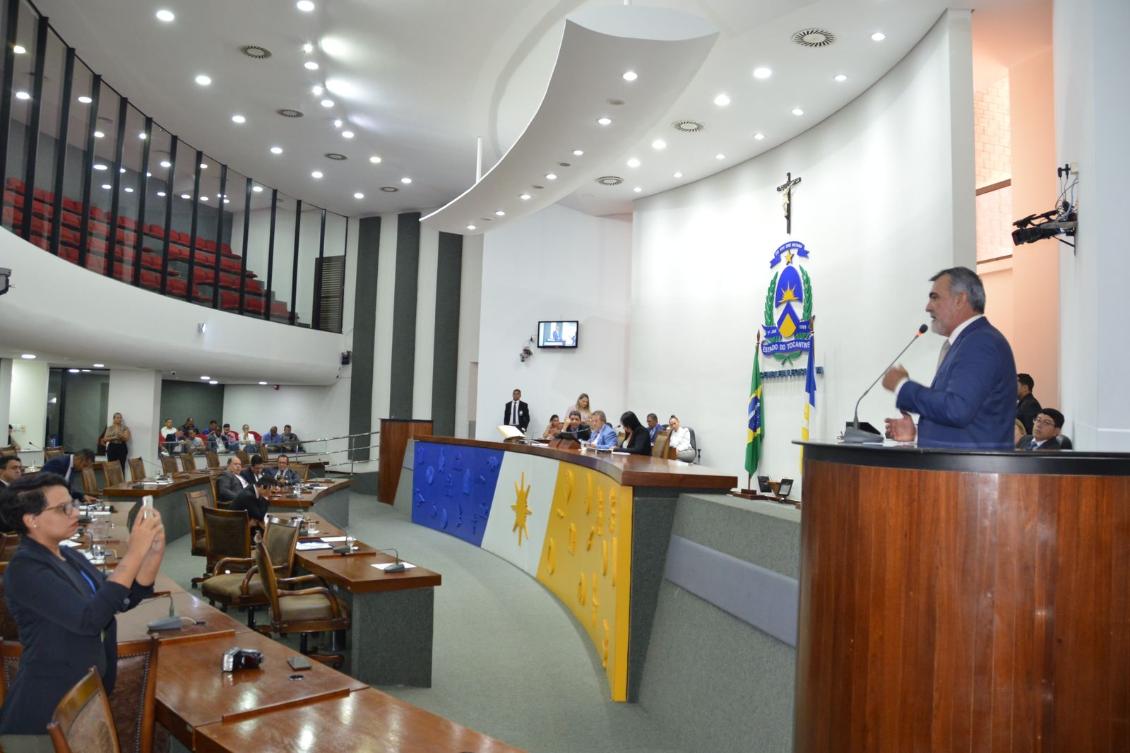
x=419, y=81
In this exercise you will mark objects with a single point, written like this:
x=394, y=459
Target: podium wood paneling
x=963, y=610
x=395, y=434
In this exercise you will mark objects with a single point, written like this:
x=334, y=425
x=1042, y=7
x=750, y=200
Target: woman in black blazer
x=637, y=441
x=64, y=607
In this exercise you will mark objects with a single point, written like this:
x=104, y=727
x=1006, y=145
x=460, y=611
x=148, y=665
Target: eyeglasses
x=66, y=508
x=1044, y=422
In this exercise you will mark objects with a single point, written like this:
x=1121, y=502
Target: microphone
x=396, y=567
x=172, y=622
x=853, y=434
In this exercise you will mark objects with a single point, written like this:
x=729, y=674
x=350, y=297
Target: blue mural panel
x=452, y=488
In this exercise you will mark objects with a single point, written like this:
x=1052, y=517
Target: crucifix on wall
x=787, y=189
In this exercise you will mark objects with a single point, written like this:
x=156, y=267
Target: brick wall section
x=992, y=143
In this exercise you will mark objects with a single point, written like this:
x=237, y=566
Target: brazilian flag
x=754, y=417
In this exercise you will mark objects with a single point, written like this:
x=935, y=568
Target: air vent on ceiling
x=564, y=164
x=688, y=126
x=814, y=37
x=336, y=156
x=610, y=180
x=389, y=189
x=255, y=51
x=287, y=112
x=615, y=102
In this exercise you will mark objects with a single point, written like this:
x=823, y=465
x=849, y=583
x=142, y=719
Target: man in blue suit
x=971, y=404
x=70, y=468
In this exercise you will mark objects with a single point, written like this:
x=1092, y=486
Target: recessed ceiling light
x=166, y=16
x=758, y=136
x=722, y=100
x=338, y=123
x=308, y=47
x=27, y=356
x=22, y=95
x=500, y=213
x=100, y=166
x=375, y=159
x=578, y=152
x=262, y=384
x=85, y=100
x=358, y=195
x=471, y=227
x=347, y=134
x=166, y=164
x=798, y=112
x=637, y=189
x=551, y=176
x=762, y=72
x=678, y=174
x=99, y=135
x=204, y=198
x=525, y=197
x=276, y=150
x=719, y=156
x=604, y=121
x=238, y=119
x=633, y=162
x=121, y=169
x=19, y=49
x=878, y=36
x=257, y=189
x=73, y=371
x=203, y=80
x=203, y=165
x=162, y=194
x=227, y=201
x=148, y=174
x=310, y=65
x=405, y=180
x=839, y=78
x=143, y=136
x=659, y=145
x=306, y=6
x=86, y=371
x=317, y=89
x=205, y=378
x=316, y=175
x=107, y=186
x=327, y=103
x=186, y=196
x=630, y=76
x=129, y=190
x=213, y=381
x=98, y=365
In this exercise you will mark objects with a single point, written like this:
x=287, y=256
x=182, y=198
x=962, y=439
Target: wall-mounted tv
x=558, y=334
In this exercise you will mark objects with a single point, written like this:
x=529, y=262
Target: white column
x=136, y=395
x=28, y=409
x=5, y=397
x=1092, y=120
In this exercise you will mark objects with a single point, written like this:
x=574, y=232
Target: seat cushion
x=226, y=588
x=310, y=607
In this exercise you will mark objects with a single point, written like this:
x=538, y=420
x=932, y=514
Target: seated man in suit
x=971, y=403
x=10, y=469
x=603, y=436
x=1047, y=433
x=575, y=428
x=516, y=413
x=290, y=441
x=237, y=493
x=255, y=474
x=283, y=474
x=70, y=468
x=654, y=427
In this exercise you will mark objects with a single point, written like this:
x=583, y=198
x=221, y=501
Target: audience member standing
x=582, y=407
x=1027, y=406
x=516, y=413
x=117, y=440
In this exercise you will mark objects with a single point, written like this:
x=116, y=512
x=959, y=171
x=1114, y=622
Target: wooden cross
x=787, y=189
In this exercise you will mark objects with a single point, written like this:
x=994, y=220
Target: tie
x=942, y=354
x=514, y=413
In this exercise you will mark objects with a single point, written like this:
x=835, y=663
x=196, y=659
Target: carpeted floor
x=508, y=659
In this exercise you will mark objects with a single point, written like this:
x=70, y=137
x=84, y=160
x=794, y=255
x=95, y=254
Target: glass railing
x=92, y=179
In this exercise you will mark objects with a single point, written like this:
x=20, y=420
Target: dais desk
x=168, y=498
x=328, y=498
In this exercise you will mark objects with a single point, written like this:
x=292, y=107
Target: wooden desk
x=193, y=692
x=390, y=641
x=365, y=721
x=132, y=624
x=169, y=499
x=331, y=502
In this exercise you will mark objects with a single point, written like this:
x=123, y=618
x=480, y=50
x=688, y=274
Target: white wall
x=555, y=264
x=5, y=397
x=137, y=396
x=426, y=275
x=314, y=412
x=886, y=201
x=1092, y=122
x=470, y=299
x=382, y=330
x=28, y=409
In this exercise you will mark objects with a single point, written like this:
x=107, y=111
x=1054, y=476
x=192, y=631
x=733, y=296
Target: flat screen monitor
x=558, y=334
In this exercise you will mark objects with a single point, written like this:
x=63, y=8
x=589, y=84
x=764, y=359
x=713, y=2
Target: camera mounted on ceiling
x=1062, y=220
x=5, y=275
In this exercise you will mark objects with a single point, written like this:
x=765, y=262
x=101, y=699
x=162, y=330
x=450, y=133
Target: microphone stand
x=853, y=434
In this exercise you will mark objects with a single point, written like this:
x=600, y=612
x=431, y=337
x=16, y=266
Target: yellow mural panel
x=594, y=580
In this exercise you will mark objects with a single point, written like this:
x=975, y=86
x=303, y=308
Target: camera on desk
x=241, y=658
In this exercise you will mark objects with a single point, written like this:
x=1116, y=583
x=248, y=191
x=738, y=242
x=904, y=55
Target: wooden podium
x=963, y=601
x=395, y=433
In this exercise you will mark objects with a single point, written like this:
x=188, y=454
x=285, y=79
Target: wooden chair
x=245, y=589
x=212, y=458
x=9, y=630
x=244, y=458
x=90, y=482
x=197, y=501
x=187, y=462
x=52, y=452
x=661, y=447
x=8, y=544
x=82, y=721
x=303, y=611
x=169, y=465
x=136, y=469
x=301, y=470
x=10, y=652
x=227, y=533
x=112, y=472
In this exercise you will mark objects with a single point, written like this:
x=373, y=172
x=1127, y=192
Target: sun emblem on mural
x=521, y=508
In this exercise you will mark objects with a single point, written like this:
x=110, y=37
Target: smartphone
x=146, y=505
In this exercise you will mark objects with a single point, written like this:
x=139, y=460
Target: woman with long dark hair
x=636, y=438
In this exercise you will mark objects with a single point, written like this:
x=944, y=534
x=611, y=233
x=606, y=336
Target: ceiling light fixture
x=633, y=162
x=604, y=120
x=759, y=136
x=166, y=16
x=257, y=189
x=98, y=365
x=238, y=119
x=106, y=186
x=347, y=134
x=19, y=49
x=262, y=384
x=389, y=189
x=375, y=159
x=578, y=152
x=204, y=198
x=100, y=166
x=659, y=145
x=722, y=100
x=336, y=156
x=255, y=52
x=288, y=112
x=203, y=79
x=798, y=112
x=472, y=227
x=406, y=180
x=687, y=126
x=551, y=176
x=637, y=189
x=814, y=37
x=338, y=123
x=878, y=36
x=306, y=6
x=85, y=100
x=143, y=136
x=327, y=103
x=358, y=195
x=276, y=150
x=23, y=95
x=317, y=90
x=73, y=371
x=762, y=72
x=308, y=47
x=166, y=164
x=128, y=189
x=316, y=175
x=525, y=197
x=185, y=196
x=610, y=180
x=719, y=156
x=27, y=356
x=630, y=76
x=203, y=165
x=162, y=194
x=500, y=213
x=839, y=78
x=213, y=381
x=678, y=174
x=311, y=65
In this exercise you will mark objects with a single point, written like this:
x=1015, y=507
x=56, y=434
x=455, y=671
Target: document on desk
x=334, y=539
x=309, y=546
x=387, y=565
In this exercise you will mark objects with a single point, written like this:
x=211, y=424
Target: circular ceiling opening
x=610, y=180
x=255, y=51
x=336, y=156
x=389, y=189
x=688, y=126
x=814, y=37
x=287, y=112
